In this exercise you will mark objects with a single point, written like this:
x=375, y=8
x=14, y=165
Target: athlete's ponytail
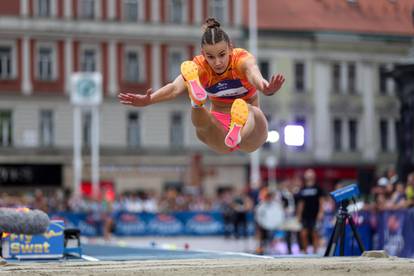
x=213, y=33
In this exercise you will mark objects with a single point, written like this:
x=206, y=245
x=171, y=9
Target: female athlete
x=230, y=78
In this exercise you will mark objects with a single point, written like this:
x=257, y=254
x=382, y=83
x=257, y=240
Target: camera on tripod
x=345, y=193
x=342, y=196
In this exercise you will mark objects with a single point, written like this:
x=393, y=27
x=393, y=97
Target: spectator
x=224, y=205
x=409, y=190
x=241, y=205
x=310, y=211
x=398, y=198
x=289, y=206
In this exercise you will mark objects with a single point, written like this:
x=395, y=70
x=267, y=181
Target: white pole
x=95, y=151
x=77, y=151
x=254, y=156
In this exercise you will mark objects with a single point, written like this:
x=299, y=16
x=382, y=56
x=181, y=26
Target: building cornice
x=104, y=29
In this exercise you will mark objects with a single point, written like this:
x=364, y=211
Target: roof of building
x=388, y=17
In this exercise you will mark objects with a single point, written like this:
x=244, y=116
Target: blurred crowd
x=299, y=199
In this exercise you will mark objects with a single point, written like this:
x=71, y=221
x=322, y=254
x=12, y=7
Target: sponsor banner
x=203, y=223
x=391, y=231
x=130, y=224
x=89, y=224
x=165, y=224
x=394, y=233
x=44, y=246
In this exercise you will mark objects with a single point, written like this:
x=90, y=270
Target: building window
x=46, y=128
x=86, y=128
x=134, y=65
x=6, y=134
x=337, y=134
x=87, y=9
x=177, y=11
x=383, y=128
x=352, y=78
x=336, y=77
x=353, y=134
x=176, y=130
x=133, y=10
x=134, y=130
x=265, y=69
x=382, y=69
x=88, y=60
x=43, y=8
x=5, y=62
x=132, y=71
x=218, y=10
x=299, y=76
x=397, y=134
x=45, y=63
x=175, y=58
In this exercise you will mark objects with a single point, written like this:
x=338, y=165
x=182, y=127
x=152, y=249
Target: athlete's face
x=217, y=56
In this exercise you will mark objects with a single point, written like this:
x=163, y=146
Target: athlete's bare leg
x=254, y=132
x=209, y=130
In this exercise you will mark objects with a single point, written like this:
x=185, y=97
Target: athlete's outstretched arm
x=255, y=77
x=165, y=93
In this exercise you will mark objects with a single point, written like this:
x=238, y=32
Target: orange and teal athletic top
x=229, y=85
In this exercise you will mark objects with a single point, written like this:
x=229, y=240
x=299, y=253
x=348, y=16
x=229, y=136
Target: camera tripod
x=342, y=217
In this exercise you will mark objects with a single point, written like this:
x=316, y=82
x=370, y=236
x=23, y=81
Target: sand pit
x=281, y=266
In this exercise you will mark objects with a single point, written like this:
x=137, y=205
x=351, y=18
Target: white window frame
x=172, y=50
x=13, y=53
x=304, y=89
x=357, y=129
x=349, y=91
x=96, y=8
x=141, y=62
x=3, y=139
x=140, y=13
x=43, y=141
x=180, y=142
x=97, y=50
x=54, y=60
x=340, y=78
x=224, y=8
x=184, y=9
x=53, y=8
x=139, y=125
x=341, y=137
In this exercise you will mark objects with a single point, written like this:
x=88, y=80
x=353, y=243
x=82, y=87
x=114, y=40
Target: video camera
x=345, y=193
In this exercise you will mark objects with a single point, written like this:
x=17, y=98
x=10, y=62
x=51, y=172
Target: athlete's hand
x=135, y=99
x=275, y=83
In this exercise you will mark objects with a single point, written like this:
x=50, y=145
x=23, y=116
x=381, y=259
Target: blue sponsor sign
x=393, y=230
x=130, y=224
x=393, y=235
x=88, y=224
x=204, y=223
x=48, y=245
x=165, y=224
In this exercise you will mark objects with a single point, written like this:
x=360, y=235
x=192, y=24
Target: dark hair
x=213, y=33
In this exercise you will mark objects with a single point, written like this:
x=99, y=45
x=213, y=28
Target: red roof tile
x=361, y=16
